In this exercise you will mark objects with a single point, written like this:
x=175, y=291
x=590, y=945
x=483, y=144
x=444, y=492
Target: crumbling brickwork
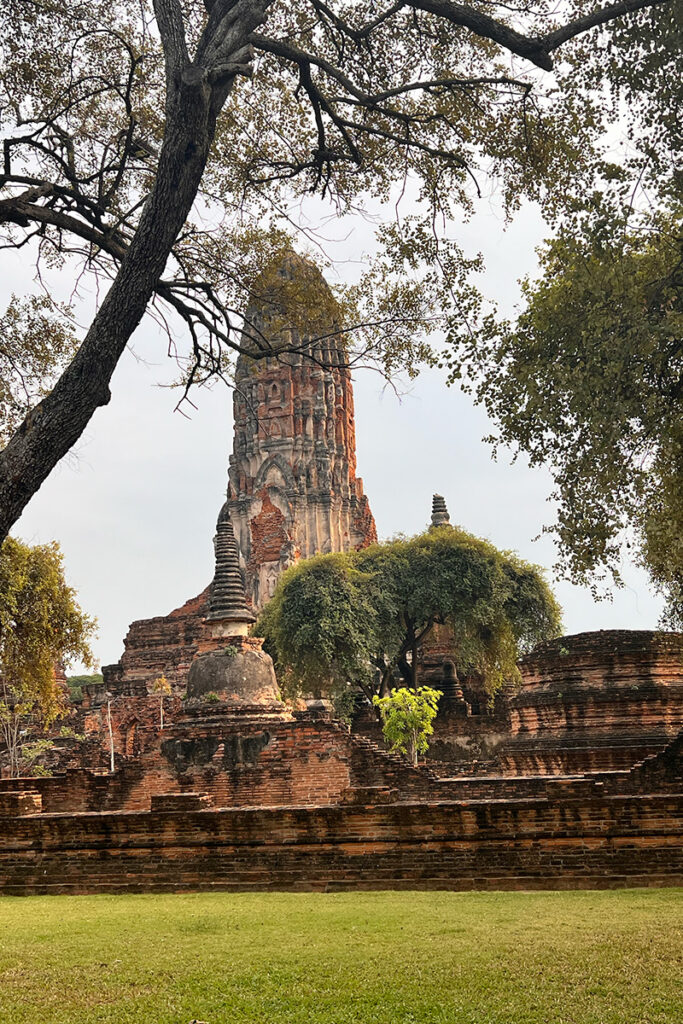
x=596, y=701
x=592, y=702
x=236, y=796
x=164, y=645
x=293, y=490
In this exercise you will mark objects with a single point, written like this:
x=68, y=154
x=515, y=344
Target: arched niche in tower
x=276, y=480
x=275, y=472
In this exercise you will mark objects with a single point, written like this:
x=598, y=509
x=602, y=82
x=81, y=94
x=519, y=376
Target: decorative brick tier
x=595, y=702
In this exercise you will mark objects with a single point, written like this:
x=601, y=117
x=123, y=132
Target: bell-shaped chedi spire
x=227, y=600
x=228, y=663
x=440, y=516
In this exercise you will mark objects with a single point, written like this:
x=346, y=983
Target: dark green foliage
x=76, y=684
x=361, y=616
x=589, y=381
x=321, y=623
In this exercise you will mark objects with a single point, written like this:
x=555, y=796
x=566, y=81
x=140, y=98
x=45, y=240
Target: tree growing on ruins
x=129, y=126
x=407, y=717
x=361, y=617
x=162, y=687
x=41, y=624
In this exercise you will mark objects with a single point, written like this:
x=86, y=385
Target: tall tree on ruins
x=361, y=617
x=41, y=625
x=250, y=106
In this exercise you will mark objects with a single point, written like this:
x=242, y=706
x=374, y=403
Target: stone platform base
x=574, y=843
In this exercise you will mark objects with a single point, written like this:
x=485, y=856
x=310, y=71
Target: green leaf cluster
x=36, y=342
x=41, y=624
x=362, y=616
x=407, y=717
x=589, y=381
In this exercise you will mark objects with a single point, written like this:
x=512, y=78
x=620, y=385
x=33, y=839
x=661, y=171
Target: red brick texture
x=270, y=803
x=164, y=645
x=532, y=844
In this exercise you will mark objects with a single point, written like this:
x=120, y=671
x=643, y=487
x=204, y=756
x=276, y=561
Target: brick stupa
x=229, y=663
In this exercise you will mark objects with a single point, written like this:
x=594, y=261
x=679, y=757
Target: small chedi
x=228, y=662
x=571, y=779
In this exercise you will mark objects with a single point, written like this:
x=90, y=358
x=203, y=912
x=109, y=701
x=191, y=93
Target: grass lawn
x=366, y=958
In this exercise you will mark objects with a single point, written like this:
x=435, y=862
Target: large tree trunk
x=53, y=427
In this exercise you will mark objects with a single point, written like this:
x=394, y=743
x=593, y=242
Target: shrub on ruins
x=362, y=617
x=162, y=687
x=320, y=625
x=165, y=146
x=41, y=625
x=407, y=717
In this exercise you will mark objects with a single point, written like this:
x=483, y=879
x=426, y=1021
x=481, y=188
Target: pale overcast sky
x=134, y=507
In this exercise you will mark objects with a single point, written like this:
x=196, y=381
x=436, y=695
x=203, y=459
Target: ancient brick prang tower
x=293, y=490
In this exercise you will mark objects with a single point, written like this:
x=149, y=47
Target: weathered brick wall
x=135, y=723
x=163, y=645
x=593, y=702
x=596, y=701
x=237, y=762
x=332, y=811
x=568, y=842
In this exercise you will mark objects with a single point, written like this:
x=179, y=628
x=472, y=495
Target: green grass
x=370, y=958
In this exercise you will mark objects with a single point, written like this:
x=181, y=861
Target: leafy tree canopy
x=76, y=684
x=165, y=146
x=358, y=617
x=589, y=381
x=41, y=623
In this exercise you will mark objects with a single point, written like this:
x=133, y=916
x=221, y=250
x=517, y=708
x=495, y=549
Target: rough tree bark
x=195, y=94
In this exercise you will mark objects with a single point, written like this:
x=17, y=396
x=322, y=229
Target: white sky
x=134, y=506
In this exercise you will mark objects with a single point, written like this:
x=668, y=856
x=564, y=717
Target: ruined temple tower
x=293, y=490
